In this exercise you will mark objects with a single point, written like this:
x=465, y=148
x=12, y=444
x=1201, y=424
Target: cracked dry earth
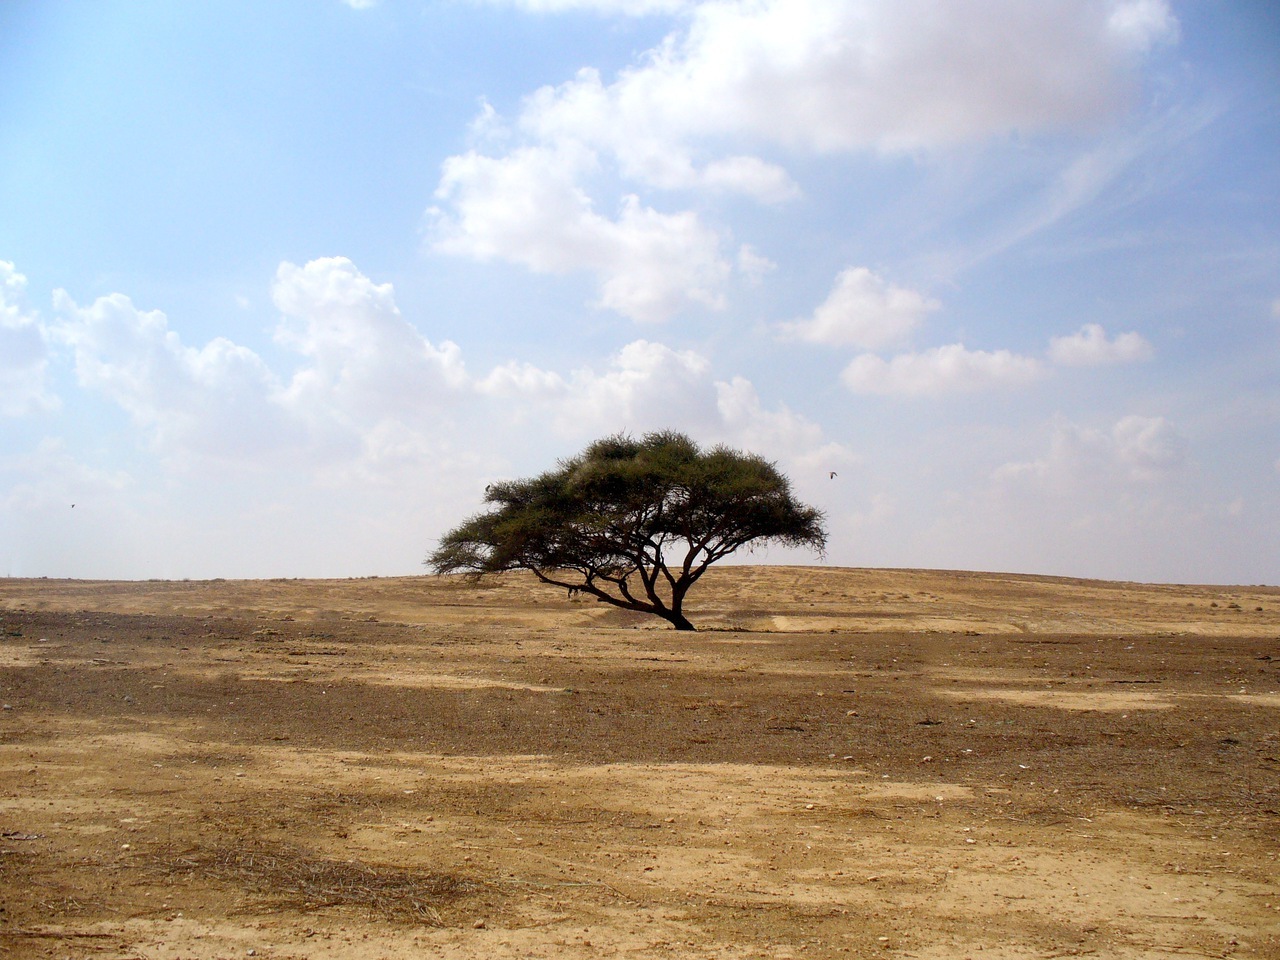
x=863, y=763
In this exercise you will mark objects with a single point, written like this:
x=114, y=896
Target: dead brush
x=291, y=876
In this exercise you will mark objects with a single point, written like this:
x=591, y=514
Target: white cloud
x=361, y=4
x=805, y=75
x=1148, y=447
x=526, y=207
x=834, y=75
x=749, y=176
x=50, y=476
x=1089, y=347
x=1136, y=449
x=865, y=311
x=649, y=386
x=366, y=361
x=524, y=380
x=210, y=401
x=782, y=433
x=630, y=8
x=1140, y=24
x=24, y=360
x=941, y=370
x=1119, y=499
x=373, y=400
x=362, y=366
x=753, y=265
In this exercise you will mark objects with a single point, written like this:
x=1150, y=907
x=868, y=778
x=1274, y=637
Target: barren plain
x=841, y=762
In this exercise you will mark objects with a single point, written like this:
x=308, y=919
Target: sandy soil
x=840, y=763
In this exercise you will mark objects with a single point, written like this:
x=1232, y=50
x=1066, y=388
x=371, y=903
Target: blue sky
x=283, y=286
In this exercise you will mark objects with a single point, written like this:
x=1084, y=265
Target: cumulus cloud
x=1089, y=347
x=527, y=208
x=831, y=75
x=630, y=8
x=366, y=361
x=796, y=440
x=645, y=386
x=24, y=359
x=1136, y=449
x=212, y=400
x=1148, y=447
x=735, y=80
x=371, y=398
x=941, y=370
x=649, y=386
x=361, y=365
x=865, y=311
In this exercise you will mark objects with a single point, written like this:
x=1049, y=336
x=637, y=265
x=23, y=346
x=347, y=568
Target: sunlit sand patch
x=417, y=681
x=1065, y=699
x=18, y=657
x=870, y=622
x=1247, y=699
x=1258, y=699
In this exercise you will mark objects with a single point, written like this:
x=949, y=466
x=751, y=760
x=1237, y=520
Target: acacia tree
x=634, y=523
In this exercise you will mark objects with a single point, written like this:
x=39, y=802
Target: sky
x=996, y=283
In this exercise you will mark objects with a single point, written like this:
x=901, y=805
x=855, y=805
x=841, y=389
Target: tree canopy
x=632, y=522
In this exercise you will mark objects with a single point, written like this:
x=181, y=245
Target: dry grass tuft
x=291, y=876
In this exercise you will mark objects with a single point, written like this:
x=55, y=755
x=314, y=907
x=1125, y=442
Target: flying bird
x=833, y=475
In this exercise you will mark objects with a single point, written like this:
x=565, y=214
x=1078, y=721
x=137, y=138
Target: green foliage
x=632, y=522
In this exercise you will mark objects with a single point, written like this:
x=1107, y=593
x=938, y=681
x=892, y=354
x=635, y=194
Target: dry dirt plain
x=865, y=763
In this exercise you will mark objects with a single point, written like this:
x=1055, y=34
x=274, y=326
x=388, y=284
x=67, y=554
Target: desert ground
x=841, y=762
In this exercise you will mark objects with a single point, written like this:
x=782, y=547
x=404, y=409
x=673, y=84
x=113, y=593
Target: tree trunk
x=679, y=621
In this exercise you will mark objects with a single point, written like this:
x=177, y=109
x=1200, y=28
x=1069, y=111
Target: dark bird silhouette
x=833, y=475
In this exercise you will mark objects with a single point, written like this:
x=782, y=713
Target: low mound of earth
x=839, y=763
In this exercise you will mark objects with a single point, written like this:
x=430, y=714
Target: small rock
x=479, y=925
